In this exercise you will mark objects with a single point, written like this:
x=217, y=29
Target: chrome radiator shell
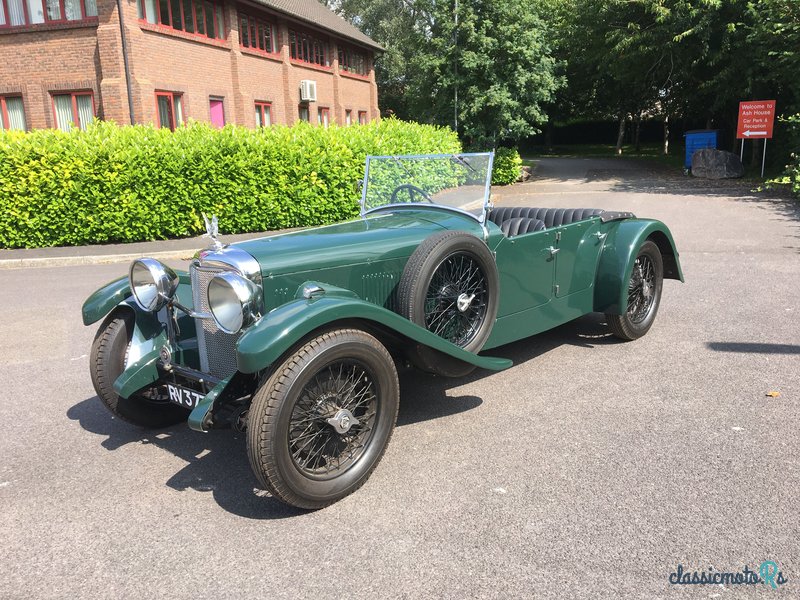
x=217, y=349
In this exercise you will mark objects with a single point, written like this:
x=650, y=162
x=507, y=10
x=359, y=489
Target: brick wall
x=38, y=60
x=37, y=63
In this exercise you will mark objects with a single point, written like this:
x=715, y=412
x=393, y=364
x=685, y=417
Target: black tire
x=447, y=268
x=291, y=439
x=107, y=362
x=644, y=295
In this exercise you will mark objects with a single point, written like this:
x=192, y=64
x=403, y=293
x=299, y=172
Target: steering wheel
x=412, y=193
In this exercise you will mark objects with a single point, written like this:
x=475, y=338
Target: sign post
x=756, y=120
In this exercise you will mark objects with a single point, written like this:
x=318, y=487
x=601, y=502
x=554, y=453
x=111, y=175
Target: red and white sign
x=756, y=118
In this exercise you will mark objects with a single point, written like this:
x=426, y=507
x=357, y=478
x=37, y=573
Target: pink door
x=217, y=113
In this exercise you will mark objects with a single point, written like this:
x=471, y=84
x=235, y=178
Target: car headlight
x=153, y=284
x=233, y=301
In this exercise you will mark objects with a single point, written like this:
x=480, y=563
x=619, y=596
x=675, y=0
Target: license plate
x=183, y=396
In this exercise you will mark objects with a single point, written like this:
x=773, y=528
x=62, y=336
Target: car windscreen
x=460, y=181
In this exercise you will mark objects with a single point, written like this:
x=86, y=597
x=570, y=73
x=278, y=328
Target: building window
x=263, y=114
x=256, y=34
x=73, y=108
x=307, y=48
x=12, y=113
x=352, y=61
x=348, y=117
x=216, y=109
x=303, y=112
x=14, y=13
x=192, y=16
x=170, y=109
x=324, y=116
x=362, y=117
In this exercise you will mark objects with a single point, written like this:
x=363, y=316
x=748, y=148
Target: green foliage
x=791, y=175
x=507, y=166
x=125, y=184
x=493, y=54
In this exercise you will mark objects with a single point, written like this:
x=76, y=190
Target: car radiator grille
x=217, y=349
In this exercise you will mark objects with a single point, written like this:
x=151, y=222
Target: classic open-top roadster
x=295, y=337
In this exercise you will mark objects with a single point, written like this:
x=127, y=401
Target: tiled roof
x=320, y=15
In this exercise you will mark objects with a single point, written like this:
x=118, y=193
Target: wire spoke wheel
x=641, y=289
x=318, y=426
x=332, y=420
x=643, y=295
x=455, y=304
x=450, y=287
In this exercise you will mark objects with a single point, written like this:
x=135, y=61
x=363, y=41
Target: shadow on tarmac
x=217, y=461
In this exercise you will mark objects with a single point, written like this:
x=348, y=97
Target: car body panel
x=576, y=262
x=526, y=270
x=263, y=344
x=380, y=236
x=199, y=417
x=104, y=299
x=619, y=255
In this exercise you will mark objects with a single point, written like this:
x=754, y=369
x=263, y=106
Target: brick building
x=225, y=61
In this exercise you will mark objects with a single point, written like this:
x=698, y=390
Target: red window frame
x=173, y=121
x=362, y=117
x=346, y=55
x=348, y=117
x=4, y=110
x=323, y=112
x=62, y=15
x=197, y=6
x=264, y=108
x=254, y=27
x=303, y=47
x=74, y=97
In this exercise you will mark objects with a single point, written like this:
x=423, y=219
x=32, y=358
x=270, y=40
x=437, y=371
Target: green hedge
x=507, y=166
x=126, y=184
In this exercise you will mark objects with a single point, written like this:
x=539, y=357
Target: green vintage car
x=295, y=337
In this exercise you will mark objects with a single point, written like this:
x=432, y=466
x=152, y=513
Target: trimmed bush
x=127, y=184
x=507, y=166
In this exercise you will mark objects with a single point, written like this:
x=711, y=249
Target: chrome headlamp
x=233, y=301
x=153, y=284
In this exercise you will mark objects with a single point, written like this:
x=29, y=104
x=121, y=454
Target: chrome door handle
x=553, y=250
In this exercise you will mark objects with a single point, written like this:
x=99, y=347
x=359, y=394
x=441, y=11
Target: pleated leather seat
x=520, y=225
x=552, y=217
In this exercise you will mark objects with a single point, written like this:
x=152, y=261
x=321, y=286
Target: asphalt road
x=591, y=469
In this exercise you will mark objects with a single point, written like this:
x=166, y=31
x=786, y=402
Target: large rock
x=716, y=164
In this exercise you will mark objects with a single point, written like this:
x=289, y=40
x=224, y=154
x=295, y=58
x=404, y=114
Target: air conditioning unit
x=308, y=90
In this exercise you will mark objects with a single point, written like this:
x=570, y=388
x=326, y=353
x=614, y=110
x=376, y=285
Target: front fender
x=100, y=303
x=279, y=330
x=619, y=255
x=103, y=301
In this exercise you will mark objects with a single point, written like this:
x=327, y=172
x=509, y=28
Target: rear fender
x=264, y=343
x=619, y=255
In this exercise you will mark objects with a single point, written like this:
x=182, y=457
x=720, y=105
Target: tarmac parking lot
x=590, y=469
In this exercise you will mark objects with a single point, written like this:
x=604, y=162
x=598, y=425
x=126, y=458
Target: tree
x=482, y=66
